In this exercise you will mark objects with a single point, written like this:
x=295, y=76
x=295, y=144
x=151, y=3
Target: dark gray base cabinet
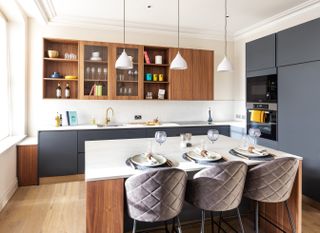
x=62, y=152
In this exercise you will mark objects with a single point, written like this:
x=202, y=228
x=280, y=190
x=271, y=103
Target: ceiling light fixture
x=225, y=64
x=123, y=62
x=178, y=62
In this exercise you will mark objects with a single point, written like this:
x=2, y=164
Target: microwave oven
x=262, y=89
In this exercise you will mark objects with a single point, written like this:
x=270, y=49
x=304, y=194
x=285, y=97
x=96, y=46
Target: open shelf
x=160, y=65
x=97, y=62
x=60, y=59
x=158, y=82
x=60, y=79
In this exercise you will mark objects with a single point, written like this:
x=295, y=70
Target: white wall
x=42, y=112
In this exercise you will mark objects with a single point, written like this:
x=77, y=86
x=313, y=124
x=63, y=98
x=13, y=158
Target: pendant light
x=123, y=62
x=178, y=62
x=225, y=64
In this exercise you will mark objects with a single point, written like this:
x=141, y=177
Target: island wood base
x=105, y=208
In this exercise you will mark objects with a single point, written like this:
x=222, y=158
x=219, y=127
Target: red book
x=146, y=57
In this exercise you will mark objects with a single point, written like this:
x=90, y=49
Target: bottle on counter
x=57, y=118
x=210, y=116
x=67, y=92
x=60, y=118
x=58, y=91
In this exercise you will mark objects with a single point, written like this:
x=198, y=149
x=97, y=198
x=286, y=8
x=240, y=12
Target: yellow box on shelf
x=71, y=77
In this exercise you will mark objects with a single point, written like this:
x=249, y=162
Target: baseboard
x=8, y=194
x=311, y=202
x=61, y=179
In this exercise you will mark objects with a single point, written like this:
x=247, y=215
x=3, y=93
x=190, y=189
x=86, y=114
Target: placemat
x=188, y=158
x=268, y=157
x=139, y=167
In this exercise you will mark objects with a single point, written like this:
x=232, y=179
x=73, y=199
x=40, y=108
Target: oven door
x=262, y=89
x=267, y=122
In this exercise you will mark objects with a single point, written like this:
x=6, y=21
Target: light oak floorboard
x=60, y=208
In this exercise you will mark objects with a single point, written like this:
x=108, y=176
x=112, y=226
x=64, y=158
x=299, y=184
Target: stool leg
x=257, y=218
x=220, y=216
x=212, y=225
x=290, y=217
x=134, y=226
x=203, y=219
x=179, y=225
x=240, y=221
x=173, y=229
x=166, y=227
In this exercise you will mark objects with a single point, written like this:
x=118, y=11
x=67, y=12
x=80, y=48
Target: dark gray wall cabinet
x=299, y=115
x=261, y=53
x=58, y=154
x=299, y=44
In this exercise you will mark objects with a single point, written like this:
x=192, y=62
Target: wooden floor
x=60, y=208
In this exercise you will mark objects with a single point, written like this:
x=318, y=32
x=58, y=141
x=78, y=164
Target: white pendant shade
x=225, y=65
x=123, y=62
x=178, y=63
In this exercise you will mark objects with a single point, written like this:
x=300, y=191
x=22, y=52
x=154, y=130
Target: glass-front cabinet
x=129, y=83
x=94, y=61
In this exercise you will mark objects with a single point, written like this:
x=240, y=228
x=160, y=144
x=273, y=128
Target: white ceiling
x=196, y=16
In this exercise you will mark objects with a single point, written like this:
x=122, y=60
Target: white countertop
x=106, y=159
x=240, y=124
x=29, y=141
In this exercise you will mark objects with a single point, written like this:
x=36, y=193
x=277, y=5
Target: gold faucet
x=108, y=118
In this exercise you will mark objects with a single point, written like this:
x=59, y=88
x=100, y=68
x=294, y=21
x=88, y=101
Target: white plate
x=213, y=156
x=142, y=160
x=95, y=58
x=247, y=153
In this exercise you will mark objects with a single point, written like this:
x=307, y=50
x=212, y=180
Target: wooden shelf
x=60, y=79
x=158, y=82
x=49, y=98
x=60, y=59
x=95, y=80
x=97, y=62
x=158, y=65
x=127, y=81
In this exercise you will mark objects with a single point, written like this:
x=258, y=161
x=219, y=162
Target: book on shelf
x=146, y=57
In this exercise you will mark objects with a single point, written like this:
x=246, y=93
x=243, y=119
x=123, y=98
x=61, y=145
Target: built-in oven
x=262, y=89
x=264, y=117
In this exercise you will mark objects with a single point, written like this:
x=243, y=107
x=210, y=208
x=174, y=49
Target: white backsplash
x=124, y=111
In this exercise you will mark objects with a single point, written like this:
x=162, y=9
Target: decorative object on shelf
x=225, y=64
x=105, y=73
x=158, y=59
x=95, y=56
x=55, y=74
x=149, y=95
x=70, y=77
x=148, y=77
x=209, y=117
x=58, y=91
x=98, y=90
x=53, y=53
x=72, y=118
x=67, y=92
x=123, y=62
x=70, y=56
x=161, y=94
x=161, y=78
x=146, y=57
x=178, y=62
x=155, y=77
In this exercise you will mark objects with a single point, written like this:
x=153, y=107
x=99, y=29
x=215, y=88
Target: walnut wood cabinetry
x=27, y=165
x=99, y=79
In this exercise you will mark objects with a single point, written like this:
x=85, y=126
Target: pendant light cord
x=178, y=24
x=225, y=28
x=124, y=22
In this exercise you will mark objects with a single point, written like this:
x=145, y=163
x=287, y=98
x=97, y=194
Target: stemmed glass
x=105, y=71
x=93, y=70
x=160, y=137
x=254, y=134
x=213, y=135
x=88, y=72
x=99, y=70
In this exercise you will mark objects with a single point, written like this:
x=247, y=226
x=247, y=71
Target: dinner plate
x=247, y=153
x=213, y=156
x=142, y=160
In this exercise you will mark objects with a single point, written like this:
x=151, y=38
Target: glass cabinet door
x=127, y=81
x=95, y=71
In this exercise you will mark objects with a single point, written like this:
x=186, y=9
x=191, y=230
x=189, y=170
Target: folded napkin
x=150, y=159
x=204, y=153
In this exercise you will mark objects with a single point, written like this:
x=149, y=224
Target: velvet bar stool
x=218, y=188
x=272, y=182
x=156, y=195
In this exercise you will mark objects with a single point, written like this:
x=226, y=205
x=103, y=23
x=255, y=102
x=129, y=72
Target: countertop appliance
x=262, y=89
x=265, y=117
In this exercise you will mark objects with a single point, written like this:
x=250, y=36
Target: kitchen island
x=106, y=172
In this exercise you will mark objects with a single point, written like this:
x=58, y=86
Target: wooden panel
x=276, y=212
x=181, y=80
x=202, y=79
x=105, y=206
x=27, y=165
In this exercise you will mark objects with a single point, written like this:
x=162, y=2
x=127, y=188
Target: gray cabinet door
x=299, y=44
x=57, y=153
x=299, y=115
x=261, y=53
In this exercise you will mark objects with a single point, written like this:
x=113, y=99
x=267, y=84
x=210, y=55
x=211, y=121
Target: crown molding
x=306, y=6
x=43, y=12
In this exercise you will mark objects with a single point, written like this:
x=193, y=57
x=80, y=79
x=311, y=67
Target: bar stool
x=218, y=188
x=156, y=195
x=272, y=182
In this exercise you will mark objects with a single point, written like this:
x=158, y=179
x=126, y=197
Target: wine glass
x=99, y=70
x=213, y=135
x=93, y=70
x=88, y=72
x=254, y=134
x=160, y=137
x=105, y=72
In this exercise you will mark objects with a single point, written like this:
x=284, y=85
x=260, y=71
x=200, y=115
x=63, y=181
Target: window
x=4, y=80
